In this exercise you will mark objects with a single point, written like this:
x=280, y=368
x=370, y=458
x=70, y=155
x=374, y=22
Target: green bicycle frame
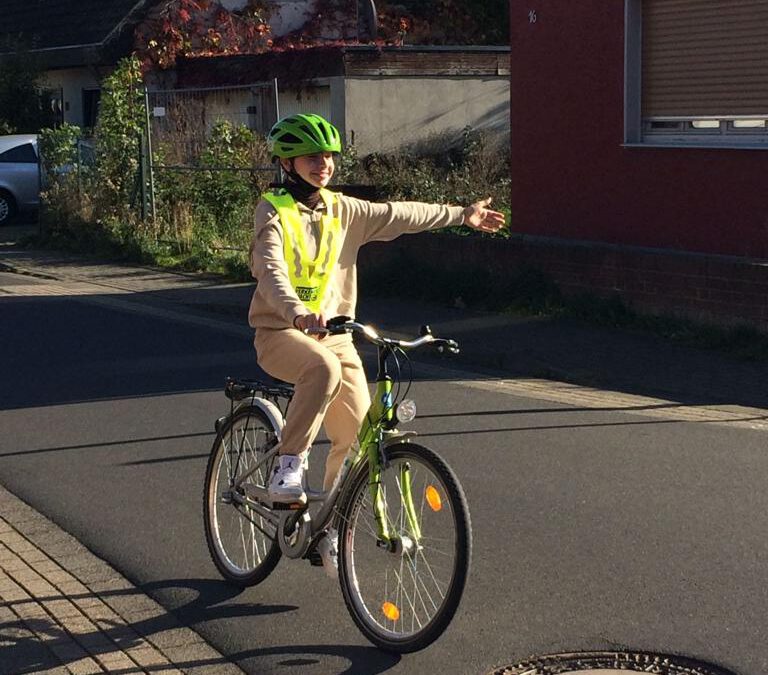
x=372, y=434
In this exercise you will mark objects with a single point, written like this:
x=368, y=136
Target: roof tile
x=62, y=23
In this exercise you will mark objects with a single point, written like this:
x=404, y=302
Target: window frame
x=21, y=147
x=638, y=131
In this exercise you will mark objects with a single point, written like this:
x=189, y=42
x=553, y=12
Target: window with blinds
x=704, y=68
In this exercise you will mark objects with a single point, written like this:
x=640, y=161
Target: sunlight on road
x=587, y=397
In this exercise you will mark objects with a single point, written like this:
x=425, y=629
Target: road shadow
x=24, y=648
x=362, y=660
x=57, y=351
x=107, y=352
x=567, y=350
x=210, y=603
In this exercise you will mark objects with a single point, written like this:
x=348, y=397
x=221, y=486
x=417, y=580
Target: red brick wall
x=572, y=178
x=717, y=289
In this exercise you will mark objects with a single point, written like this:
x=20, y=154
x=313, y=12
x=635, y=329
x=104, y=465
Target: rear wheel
x=7, y=207
x=241, y=541
x=404, y=597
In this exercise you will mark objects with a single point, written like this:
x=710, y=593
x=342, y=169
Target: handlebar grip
x=337, y=321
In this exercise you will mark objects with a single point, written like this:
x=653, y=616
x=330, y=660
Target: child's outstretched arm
x=479, y=217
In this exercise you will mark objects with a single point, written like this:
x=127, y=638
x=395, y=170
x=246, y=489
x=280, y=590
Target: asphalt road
x=594, y=528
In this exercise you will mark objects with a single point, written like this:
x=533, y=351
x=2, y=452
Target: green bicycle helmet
x=303, y=135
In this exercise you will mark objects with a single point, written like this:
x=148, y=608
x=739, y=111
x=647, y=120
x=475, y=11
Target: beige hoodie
x=276, y=305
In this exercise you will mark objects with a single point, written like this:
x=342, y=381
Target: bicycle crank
x=294, y=533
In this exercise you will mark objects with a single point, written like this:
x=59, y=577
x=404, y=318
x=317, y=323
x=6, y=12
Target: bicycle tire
x=243, y=554
x=358, y=548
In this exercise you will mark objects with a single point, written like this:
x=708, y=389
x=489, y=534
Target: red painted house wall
x=572, y=178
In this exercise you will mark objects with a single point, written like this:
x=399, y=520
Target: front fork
x=372, y=439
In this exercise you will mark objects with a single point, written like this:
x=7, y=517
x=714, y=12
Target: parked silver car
x=19, y=175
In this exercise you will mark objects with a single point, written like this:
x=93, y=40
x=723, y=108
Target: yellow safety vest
x=309, y=276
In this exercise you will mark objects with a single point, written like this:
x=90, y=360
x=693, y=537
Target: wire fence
x=180, y=123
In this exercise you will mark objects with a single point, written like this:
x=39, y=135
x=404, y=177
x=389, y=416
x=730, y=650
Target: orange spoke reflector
x=390, y=611
x=433, y=499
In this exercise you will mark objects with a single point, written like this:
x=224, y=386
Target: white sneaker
x=286, y=485
x=328, y=548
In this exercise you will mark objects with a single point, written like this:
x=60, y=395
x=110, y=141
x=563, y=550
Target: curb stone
x=67, y=611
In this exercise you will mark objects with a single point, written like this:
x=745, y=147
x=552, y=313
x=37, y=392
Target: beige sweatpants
x=330, y=389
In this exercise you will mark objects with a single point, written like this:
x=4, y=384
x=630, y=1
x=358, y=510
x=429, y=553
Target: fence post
x=40, y=178
x=279, y=171
x=151, y=172
x=143, y=174
x=78, y=167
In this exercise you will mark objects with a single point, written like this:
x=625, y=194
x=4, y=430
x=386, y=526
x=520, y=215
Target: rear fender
x=270, y=410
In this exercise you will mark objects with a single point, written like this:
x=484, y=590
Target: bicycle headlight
x=406, y=410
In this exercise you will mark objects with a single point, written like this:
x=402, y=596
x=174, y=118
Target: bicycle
x=405, y=536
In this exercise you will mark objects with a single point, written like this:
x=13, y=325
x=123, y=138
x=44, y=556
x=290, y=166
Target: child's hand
x=310, y=322
x=479, y=217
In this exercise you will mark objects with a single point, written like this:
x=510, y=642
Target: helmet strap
x=300, y=190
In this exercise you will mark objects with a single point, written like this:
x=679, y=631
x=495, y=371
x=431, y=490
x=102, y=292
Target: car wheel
x=7, y=207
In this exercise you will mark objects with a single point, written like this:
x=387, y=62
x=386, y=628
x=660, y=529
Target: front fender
x=397, y=438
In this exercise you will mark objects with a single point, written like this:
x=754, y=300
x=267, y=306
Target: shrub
x=59, y=148
x=207, y=212
x=118, y=135
x=204, y=212
x=439, y=170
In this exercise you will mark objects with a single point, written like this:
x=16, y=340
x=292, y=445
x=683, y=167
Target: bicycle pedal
x=280, y=506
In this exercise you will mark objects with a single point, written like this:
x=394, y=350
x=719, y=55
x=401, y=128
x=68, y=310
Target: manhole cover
x=610, y=663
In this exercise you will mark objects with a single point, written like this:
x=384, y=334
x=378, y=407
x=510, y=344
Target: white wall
x=316, y=99
x=385, y=113
x=72, y=82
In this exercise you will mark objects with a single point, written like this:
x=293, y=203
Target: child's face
x=316, y=169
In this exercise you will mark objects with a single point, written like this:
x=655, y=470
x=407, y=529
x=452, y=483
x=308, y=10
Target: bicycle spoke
x=241, y=540
x=410, y=603
x=418, y=594
x=431, y=573
x=401, y=593
x=436, y=550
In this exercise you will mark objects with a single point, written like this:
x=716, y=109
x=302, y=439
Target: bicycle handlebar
x=339, y=327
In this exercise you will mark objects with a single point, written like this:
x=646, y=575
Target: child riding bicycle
x=303, y=256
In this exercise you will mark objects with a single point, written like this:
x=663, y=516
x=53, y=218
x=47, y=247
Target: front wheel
x=241, y=541
x=403, y=597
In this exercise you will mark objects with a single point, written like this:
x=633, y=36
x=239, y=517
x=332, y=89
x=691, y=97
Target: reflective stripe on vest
x=309, y=276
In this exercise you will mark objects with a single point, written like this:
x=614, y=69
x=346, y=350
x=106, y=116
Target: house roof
x=66, y=33
x=303, y=65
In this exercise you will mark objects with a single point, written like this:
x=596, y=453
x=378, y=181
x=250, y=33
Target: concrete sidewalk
x=66, y=611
